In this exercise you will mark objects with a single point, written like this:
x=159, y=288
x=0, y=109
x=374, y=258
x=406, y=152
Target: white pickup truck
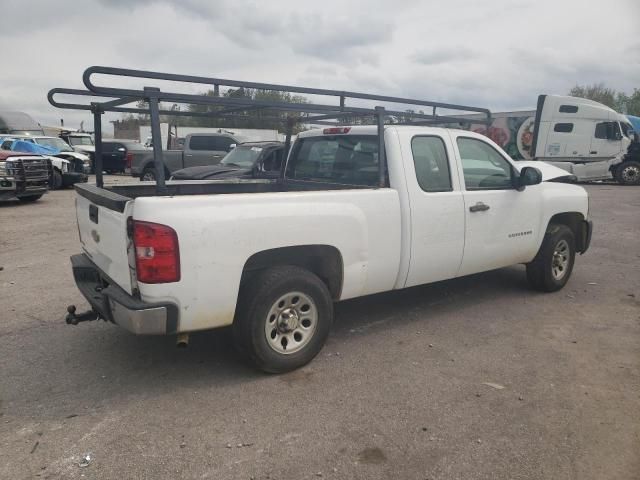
x=270, y=257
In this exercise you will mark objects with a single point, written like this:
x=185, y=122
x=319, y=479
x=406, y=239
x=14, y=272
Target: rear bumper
x=114, y=304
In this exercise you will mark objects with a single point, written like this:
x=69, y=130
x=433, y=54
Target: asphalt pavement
x=473, y=378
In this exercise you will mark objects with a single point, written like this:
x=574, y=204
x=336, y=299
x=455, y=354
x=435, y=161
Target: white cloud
x=499, y=55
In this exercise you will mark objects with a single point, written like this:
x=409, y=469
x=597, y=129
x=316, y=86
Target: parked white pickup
x=271, y=256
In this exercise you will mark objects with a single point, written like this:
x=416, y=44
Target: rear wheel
x=628, y=173
x=551, y=268
x=148, y=175
x=283, y=320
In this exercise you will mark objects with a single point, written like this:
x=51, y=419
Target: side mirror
x=528, y=176
x=232, y=146
x=122, y=149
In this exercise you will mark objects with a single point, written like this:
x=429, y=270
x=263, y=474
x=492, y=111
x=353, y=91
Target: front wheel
x=283, y=320
x=628, y=173
x=149, y=175
x=551, y=268
x=56, y=180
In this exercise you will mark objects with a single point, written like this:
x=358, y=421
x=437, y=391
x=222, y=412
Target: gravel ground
x=477, y=377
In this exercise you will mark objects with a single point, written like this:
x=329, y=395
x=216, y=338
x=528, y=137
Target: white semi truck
x=585, y=138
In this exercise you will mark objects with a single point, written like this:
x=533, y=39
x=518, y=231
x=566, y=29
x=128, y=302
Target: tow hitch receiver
x=73, y=319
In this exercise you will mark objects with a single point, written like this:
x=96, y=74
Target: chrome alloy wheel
x=630, y=174
x=291, y=322
x=560, y=260
x=148, y=176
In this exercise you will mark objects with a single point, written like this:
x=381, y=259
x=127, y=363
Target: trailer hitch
x=73, y=319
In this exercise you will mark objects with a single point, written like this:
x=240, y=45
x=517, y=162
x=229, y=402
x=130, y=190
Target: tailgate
x=102, y=225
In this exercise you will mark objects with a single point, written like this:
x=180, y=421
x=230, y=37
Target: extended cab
x=199, y=149
x=270, y=257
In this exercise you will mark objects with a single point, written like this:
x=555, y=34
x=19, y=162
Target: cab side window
x=224, y=144
x=273, y=162
x=483, y=166
x=431, y=164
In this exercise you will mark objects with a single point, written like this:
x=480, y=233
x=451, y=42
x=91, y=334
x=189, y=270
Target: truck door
x=437, y=207
x=198, y=150
x=501, y=222
x=606, y=141
x=206, y=150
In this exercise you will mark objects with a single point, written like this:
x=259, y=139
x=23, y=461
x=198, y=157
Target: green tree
x=251, y=118
x=597, y=92
x=629, y=104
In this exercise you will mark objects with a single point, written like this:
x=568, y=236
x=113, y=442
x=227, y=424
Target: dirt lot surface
x=478, y=377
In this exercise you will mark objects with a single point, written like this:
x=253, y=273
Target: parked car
x=23, y=176
x=247, y=160
x=61, y=175
x=79, y=162
x=117, y=155
x=270, y=257
x=81, y=142
x=199, y=149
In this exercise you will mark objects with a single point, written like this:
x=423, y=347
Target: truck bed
x=115, y=197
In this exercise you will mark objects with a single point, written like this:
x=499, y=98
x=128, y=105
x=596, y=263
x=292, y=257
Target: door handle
x=479, y=207
x=188, y=155
x=593, y=152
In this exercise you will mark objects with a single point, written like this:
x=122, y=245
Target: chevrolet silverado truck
x=23, y=176
x=199, y=149
x=269, y=257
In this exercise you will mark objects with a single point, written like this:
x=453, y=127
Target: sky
x=499, y=55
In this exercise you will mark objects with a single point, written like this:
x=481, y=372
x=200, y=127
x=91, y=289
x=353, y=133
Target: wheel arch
x=323, y=260
x=576, y=222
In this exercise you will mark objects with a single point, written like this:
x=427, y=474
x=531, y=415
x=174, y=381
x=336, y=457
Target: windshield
x=56, y=143
x=627, y=129
x=242, y=157
x=80, y=141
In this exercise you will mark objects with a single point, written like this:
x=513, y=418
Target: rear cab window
x=342, y=159
x=431, y=164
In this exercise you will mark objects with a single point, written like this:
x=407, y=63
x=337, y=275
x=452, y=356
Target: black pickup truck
x=247, y=160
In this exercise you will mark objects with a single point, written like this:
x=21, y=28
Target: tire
x=29, y=198
x=56, y=180
x=148, y=175
x=283, y=318
x=552, y=266
x=628, y=173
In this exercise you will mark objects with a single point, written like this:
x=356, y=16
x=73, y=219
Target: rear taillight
x=157, y=252
x=336, y=130
x=129, y=159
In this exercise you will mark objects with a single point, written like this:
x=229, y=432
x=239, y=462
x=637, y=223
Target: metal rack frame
x=116, y=99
